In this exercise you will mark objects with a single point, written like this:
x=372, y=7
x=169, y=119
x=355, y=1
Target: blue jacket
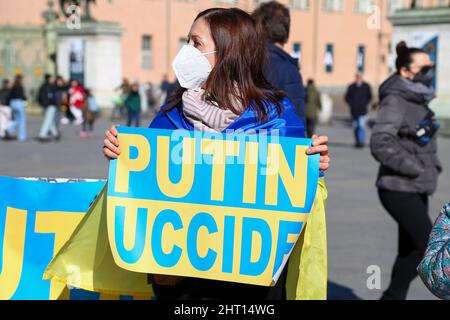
x=282, y=71
x=288, y=124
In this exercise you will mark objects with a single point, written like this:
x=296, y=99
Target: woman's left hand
x=320, y=146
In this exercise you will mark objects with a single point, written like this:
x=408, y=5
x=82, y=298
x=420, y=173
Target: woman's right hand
x=111, y=144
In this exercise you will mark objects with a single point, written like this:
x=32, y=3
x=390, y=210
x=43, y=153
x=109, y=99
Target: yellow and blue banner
x=36, y=220
x=210, y=205
x=239, y=217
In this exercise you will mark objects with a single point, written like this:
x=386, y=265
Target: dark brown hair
x=274, y=20
x=18, y=81
x=238, y=72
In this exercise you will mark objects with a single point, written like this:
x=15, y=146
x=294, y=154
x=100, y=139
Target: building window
x=299, y=4
x=333, y=5
x=362, y=6
x=329, y=58
x=395, y=5
x=146, y=52
x=361, y=59
x=297, y=51
x=444, y=3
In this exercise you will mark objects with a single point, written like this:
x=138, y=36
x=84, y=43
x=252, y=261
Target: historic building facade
x=333, y=38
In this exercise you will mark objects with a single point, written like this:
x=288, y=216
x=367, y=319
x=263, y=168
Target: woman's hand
x=111, y=144
x=320, y=145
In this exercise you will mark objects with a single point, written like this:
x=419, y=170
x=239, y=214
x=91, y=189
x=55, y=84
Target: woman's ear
x=405, y=73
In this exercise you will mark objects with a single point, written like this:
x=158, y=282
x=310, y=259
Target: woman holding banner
x=220, y=71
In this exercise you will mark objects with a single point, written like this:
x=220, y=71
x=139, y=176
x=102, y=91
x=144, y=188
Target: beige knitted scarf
x=203, y=115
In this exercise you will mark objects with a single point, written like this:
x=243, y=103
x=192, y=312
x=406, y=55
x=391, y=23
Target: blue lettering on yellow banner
x=210, y=205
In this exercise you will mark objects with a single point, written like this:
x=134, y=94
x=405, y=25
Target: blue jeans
x=359, y=126
x=49, y=124
x=20, y=119
x=134, y=117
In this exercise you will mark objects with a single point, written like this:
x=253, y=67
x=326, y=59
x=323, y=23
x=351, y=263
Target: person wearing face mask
x=223, y=88
x=404, y=143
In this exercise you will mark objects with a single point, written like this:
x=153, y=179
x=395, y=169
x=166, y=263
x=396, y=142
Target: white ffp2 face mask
x=191, y=67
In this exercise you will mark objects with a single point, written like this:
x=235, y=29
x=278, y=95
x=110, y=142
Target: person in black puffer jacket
x=404, y=143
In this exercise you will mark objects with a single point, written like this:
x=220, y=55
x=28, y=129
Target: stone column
x=102, y=57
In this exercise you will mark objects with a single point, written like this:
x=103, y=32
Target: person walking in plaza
x=171, y=90
x=17, y=101
x=60, y=100
x=358, y=97
x=77, y=100
x=404, y=143
x=280, y=68
x=163, y=89
x=151, y=100
x=5, y=109
x=133, y=105
x=90, y=112
x=313, y=106
x=67, y=116
x=224, y=88
x=435, y=266
x=165, y=84
x=119, y=108
x=46, y=99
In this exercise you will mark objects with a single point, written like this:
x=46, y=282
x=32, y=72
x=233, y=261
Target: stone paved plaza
x=360, y=233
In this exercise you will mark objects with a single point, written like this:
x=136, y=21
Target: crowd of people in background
x=70, y=102
x=62, y=102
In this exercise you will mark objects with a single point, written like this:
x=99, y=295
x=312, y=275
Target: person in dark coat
x=5, y=110
x=133, y=105
x=171, y=90
x=404, y=143
x=45, y=93
x=46, y=98
x=4, y=92
x=281, y=69
x=358, y=97
x=60, y=99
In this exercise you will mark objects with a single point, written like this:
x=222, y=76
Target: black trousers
x=310, y=127
x=203, y=289
x=410, y=211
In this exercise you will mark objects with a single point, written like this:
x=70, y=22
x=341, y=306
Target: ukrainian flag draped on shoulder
x=89, y=249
